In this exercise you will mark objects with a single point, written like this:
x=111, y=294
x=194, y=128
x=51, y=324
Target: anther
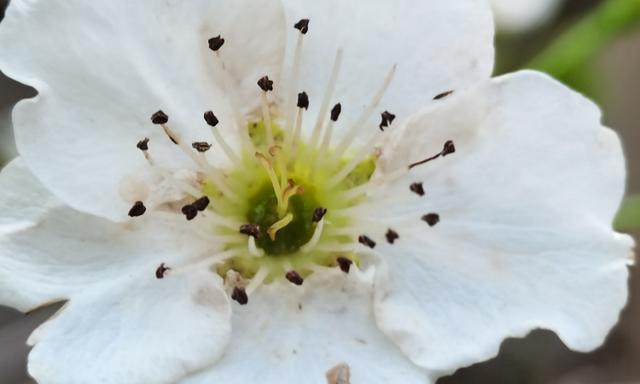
x=210, y=118
x=240, y=295
x=447, y=149
x=265, y=84
x=391, y=236
x=190, y=211
x=431, y=219
x=250, y=230
x=417, y=188
x=294, y=277
x=335, y=112
x=201, y=204
x=161, y=270
x=215, y=43
x=344, y=264
x=143, y=144
x=201, y=146
x=366, y=241
x=442, y=95
x=303, y=100
x=302, y=26
x=138, y=209
x=387, y=120
x=318, y=214
x=159, y=118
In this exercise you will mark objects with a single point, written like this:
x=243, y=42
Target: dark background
x=539, y=358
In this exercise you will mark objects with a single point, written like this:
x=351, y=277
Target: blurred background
x=592, y=45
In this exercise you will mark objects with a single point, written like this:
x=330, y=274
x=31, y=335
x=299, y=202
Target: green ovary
x=258, y=204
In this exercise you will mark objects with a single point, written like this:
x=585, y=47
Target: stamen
x=161, y=270
x=143, y=145
x=138, y=209
x=213, y=121
x=318, y=214
x=201, y=146
x=159, y=118
x=302, y=26
x=250, y=230
x=257, y=280
x=362, y=120
x=353, y=163
x=391, y=236
x=344, y=264
x=215, y=43
x=315, y=238
x=442, y=95
x=326, y=140
x=387, y=119
x=206, y=262
x=417, y=188
x=276, y=152
x=331, y=86
x=190, y=212
x=278, y=225
x=253, y=248
x=366, y=241
x=202, y=203
x=267, y=86
x=240, y=295
x=294, y=277
x=291, y=143
x=448, y=148
x=431, y=219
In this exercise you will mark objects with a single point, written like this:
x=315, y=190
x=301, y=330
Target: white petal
x=437, y=45
x=519, y=16
x=289, y=334
x=136, y=330
x=524, y=239
x=102, y=69
x=49, y=252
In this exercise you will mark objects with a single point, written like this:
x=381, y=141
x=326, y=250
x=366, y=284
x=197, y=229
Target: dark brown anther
x=250, y=230
x=138, y=209
x=366, y=241
x=302, y=26
x=318, y=214
x=265, y=84
x=202, y=203
x=417, y=188
x=161, y=270
x=335, y=112
x=391, y=236
x=294, y=277
x=190, y=211
x=215, y=43
x=442, y=95
x=344, y=264
x=201, y=146
x=240, y=295
x=159, y=118
x=303, y=100
x=447, y=149
x=210, y=118
x=431, y=219
x=387, y=120
x=143, y=144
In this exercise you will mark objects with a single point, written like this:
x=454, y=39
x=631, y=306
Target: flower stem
x=582, y=41
x=629, y=216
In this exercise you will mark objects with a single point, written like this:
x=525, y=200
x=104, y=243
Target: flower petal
x=49, y=252
x=524, y=239
x=136, y=330
x=293, y=334
x=102, y=70
x=519, y=16
x=437, y=45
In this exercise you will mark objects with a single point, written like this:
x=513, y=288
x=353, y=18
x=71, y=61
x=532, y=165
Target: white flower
x=515, y=16
x=355, y=245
